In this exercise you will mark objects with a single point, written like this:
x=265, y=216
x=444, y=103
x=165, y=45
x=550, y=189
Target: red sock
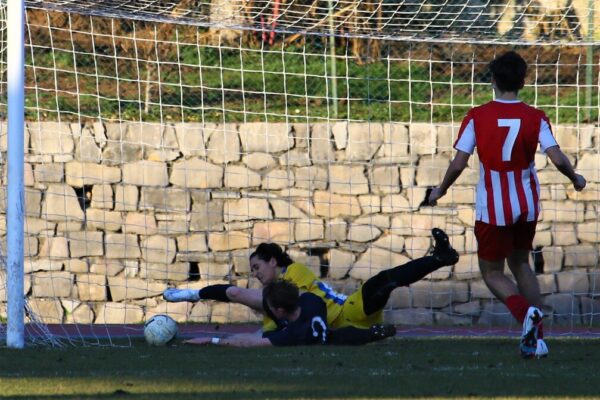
x=518, y=306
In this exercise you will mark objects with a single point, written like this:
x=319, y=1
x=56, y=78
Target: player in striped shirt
x=507, y=132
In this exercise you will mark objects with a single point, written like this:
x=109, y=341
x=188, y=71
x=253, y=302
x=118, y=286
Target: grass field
x=395, y=369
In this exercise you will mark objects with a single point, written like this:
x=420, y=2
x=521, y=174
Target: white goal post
x=164, y=140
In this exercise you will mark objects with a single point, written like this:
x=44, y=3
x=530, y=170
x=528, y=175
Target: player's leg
x=222, y=292
x=377, y=289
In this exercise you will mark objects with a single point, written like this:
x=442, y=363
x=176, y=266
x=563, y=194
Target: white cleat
x=530, y=344
x=177, y=295
x=541, y=349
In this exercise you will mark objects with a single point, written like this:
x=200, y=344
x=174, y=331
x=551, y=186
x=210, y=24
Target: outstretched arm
x=454, y=170
x=237, y=340
x=562, y=163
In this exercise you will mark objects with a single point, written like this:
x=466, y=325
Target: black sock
x=376, y=290
x=215, y=292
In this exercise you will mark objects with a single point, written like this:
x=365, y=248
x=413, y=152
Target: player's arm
x=456, y=167
x=237, y=340
x=562, y=163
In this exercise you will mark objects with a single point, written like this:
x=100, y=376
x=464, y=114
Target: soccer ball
x=160, y=330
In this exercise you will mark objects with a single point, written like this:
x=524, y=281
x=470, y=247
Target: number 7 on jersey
x=513, y=126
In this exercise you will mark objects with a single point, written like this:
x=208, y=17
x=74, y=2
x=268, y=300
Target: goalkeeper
x=361, y=309
x=301, y=320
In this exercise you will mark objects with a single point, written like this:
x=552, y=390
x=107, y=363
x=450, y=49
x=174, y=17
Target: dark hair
x=266, y=251
x=509, y=70
x=282, y=294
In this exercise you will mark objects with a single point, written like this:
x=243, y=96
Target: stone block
x=583, y=255
x=479, y=290
x=331, y=205
x=238, y=176
x=126, y=197
x=260, y=161
x=374, y=260
x=394, y=149
x=91, y=287
x=159, y=249
x=395, y=203
x=213, y=270
x=53, y=138
x=54, y=247
x=170, y=200
x=553, y=258
x=266, y=137
x=207, y=216
x=416, y=224
x=588, y=167
x=106, y=267
x=278, y=179
x=224, y=144
x=283, y=209
x=309, y=229
x=364, y=139
x=495, y=313
x=223, y=313
x=51, y=173
x=565, y=309
x=295, y=158
x=313, y=177
x=119, y=313
x=103, y=220
x=246, y=209
x=423, y=138
x=85, y=244
x=61, y=204
x=409, y=317
x=547, y=283
x=134, y=288
x=336, y=229
x=273, y=231
x=417, y=247
x=384, y=179
x=563, y=234
x=438, y=294
x=79, y=174
x=590, y=310
x=179, y=271
x=588, y=232
x=431, y=170
x=229, y=240
x=102, y=197
x=196, y=173
x=146, y=173
x=51, y=284
x=140, y=223
x=573, y=282
x=47, y=311
x=370, y=204
x=122, y=246
x=348, y=180
x=321, y=145
x=200, y=312
x=86, y=148
x=192, y=137
x=363, y=233
x=340, y=262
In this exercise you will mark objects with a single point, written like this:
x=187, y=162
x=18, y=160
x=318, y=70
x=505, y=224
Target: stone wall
x=116, y=213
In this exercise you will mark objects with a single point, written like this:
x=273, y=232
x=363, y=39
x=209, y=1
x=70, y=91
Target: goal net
x=164, y=140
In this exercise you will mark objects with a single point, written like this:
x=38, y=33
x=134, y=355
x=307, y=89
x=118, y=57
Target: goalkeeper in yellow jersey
x=361, y=309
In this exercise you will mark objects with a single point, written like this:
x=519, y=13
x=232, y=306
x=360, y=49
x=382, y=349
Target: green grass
x=294, y=84
x=399, y=368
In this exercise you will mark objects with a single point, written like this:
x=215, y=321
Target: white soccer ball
x=160, y=330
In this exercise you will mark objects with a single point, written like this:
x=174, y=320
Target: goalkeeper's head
x=508, y=72
x=282, y=297
x=267, y=261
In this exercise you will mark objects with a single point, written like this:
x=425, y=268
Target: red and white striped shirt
x=506, y=134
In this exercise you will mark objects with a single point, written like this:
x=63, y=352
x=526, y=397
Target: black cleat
x=381, y=331
x=442, y=249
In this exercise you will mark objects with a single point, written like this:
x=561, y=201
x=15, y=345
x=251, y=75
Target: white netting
x=163, y=147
